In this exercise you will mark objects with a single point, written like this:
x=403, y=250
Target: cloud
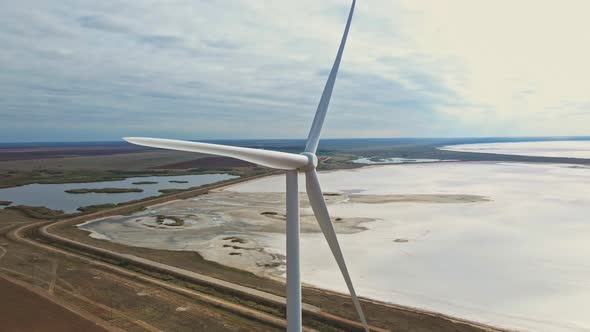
x=161, y=41
x=250, y=69
x=102, y=23
x=223, y=44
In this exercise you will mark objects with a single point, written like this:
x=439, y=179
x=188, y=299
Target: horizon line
x=303, y=139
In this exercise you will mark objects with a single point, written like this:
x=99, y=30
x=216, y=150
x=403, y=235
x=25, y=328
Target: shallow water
x=393, y=160
x=520, y=260
x=54, y=197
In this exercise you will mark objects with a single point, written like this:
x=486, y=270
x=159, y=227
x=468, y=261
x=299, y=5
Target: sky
x=76, y=70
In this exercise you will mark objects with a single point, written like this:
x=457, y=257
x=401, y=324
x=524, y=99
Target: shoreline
x=422, y=311
x=520, y=149
x=345, y=297
x=391, y=305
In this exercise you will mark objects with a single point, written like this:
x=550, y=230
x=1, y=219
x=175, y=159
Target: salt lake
x=518, y=259
x=394, y=160
x=561, y=149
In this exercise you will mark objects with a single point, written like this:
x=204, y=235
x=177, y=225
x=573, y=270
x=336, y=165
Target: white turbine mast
x=292, y=164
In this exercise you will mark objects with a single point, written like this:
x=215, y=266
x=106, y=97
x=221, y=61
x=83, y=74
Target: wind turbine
x=292, y=164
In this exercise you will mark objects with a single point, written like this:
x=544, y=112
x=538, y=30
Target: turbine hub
x=312, y=160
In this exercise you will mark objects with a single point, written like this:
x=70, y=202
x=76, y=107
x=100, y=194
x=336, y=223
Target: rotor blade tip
x=133, y=139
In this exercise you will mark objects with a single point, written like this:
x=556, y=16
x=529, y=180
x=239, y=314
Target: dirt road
x=241, y=310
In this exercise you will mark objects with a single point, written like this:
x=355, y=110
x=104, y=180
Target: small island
x=3, y=203
x=144, y=182
x=104, y=190
x=176, y=221
x=178, y=181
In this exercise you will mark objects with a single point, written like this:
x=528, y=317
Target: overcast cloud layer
x=100, y=70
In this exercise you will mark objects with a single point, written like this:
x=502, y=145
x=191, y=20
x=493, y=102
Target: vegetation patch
x=234, y=239
x=177, y=220
x=95, y=208
x=267, y=213
x=99, y=207
x=235, y=247
x=103, y=190
x=178, y=181
x=144, y=182
x=38, y=212
x=5, y=203
x=170, y=191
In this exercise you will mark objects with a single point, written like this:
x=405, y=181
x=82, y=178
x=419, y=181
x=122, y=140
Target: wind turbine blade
x=272, y=159
x=313, y=138
x=318, y=205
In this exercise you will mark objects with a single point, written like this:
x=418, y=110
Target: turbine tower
x=292, y=164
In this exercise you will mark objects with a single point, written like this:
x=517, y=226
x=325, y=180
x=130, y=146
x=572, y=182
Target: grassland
x=170, y=191
x=38, y=212
x=101, y=207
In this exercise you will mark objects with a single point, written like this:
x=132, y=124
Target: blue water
x=54, y=196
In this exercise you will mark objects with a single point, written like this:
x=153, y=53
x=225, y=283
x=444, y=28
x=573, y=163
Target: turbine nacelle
x=312, y=161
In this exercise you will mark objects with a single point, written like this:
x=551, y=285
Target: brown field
x=207, y=163
x=19, y=305
x=120, y=302
x=134, y=161
x=70, y=165
x=36, y=152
